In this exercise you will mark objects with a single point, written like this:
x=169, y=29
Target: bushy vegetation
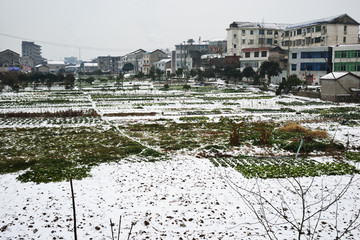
x=252, y=167
x=63, y=153
x=17, y=81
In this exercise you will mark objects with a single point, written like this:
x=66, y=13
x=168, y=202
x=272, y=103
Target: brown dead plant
x=235, y=134
x=295, y=127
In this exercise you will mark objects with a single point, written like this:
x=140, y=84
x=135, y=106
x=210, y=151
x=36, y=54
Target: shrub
x=186, y=87
x=235, y=134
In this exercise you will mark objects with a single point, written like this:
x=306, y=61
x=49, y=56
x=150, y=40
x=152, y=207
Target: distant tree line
x=17, y=81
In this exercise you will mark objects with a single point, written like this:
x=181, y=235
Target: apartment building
x=108, y=64
x=245, y=35
x=310, y=63
x=132, y=58
x=218, y=46
x=254, y=57
x=340, y=29
x=149, y=59
x=346, y=58
x=188, y=54
x=33, y=51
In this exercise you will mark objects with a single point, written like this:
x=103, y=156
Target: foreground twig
x=74, y=212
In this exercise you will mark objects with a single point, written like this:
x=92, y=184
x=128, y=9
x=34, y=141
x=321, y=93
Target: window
x=293, y=67
x=261, y=41
x=251, y=41
x=318, y=28
x=317, y=40
x=308, y=30
x=275, y=42
x=256, y=54
x=308, y=41
x=357, y=54
x=319, y=54
x=235, y=36
x=286, y=33
x=269, y=32
x=247, y=54
x=294, y=56
x=243, y=41
x=345, y=29
x=263, y=53
x=243, y=32
x=298, y=32
x=313, y=67
x=261, y=31
x=344, y=40
x=269, y=41
x=358, y=67
x=234, y=45
x=286, y=43
x=251, y=32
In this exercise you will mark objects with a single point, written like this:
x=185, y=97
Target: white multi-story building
x=243, y=35
x=132, y=58
x=340, y=29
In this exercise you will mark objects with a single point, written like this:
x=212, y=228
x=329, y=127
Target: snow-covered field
x=184, y=197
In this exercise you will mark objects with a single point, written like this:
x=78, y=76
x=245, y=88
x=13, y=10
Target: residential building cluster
x=309, y=50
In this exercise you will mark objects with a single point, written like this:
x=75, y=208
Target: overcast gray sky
x=124, y=26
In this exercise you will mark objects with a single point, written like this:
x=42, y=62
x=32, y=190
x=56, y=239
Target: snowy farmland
x=177, y=164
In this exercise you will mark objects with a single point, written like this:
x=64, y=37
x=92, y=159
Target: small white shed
x=339, y=86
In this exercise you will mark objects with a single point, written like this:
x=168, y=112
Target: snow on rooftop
x=278, y=26
x=90, y=64
x=218, y=40
x=314, y=22
x=334, y=75
x=210, y=56
x=164, y=61
x=55, y=62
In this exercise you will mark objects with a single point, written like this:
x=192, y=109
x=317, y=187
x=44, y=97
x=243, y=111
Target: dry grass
x=294, y=127
x=317, y=134
x=130, y=114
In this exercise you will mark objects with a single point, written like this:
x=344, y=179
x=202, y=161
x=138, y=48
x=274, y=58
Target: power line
x=65, y=45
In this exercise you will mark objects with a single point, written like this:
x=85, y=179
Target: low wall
x=309, y=94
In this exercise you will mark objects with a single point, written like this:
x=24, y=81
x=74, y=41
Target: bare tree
x=306, y=214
